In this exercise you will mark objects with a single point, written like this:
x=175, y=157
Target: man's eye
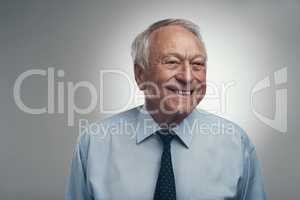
x=172, y=62
x=198, y=65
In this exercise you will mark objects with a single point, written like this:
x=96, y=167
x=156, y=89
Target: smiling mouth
x=180, y=92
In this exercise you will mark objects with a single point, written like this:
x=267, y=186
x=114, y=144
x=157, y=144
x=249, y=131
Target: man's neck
x=163, y=119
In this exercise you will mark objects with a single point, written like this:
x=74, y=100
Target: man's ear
x=139, y=74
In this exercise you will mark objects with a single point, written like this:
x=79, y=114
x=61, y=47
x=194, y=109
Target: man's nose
x=185, y=75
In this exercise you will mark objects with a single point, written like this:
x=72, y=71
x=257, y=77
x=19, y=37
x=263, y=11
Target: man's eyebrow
x=171, y=54
x=203, y=56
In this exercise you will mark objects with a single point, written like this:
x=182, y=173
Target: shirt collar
x=147, y=126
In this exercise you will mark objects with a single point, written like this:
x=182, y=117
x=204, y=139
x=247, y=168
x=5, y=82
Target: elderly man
x=166, y=149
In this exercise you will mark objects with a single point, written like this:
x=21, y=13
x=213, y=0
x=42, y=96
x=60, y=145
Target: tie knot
x=166, y=136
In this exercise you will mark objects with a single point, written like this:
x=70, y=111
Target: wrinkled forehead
x=175, y=38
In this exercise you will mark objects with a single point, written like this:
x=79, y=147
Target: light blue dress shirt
x=119, y=159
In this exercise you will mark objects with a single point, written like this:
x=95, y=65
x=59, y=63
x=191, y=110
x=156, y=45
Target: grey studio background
x=247, y=42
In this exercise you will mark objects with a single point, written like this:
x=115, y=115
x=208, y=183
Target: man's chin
x=179, y=110
x=184, y=111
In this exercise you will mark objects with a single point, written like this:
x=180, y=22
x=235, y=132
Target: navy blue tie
x=165, y=185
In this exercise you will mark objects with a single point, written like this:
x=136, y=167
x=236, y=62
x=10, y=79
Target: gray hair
x=140, y=45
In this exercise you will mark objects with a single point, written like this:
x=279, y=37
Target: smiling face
x=174, y=82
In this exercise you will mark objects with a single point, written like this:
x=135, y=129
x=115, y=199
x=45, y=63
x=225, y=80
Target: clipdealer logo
x=61, y=94
x=279, y=120
x=56, y=93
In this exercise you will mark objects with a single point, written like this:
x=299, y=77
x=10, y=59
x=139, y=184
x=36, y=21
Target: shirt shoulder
x=102, y=130
x=221, y=126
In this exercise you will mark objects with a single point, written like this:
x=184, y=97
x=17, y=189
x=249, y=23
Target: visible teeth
x=185, y=93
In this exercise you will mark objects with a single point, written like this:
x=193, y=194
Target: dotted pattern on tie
x=165, y=185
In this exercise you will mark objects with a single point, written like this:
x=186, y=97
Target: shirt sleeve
x=77, y=188
x=251, y=186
